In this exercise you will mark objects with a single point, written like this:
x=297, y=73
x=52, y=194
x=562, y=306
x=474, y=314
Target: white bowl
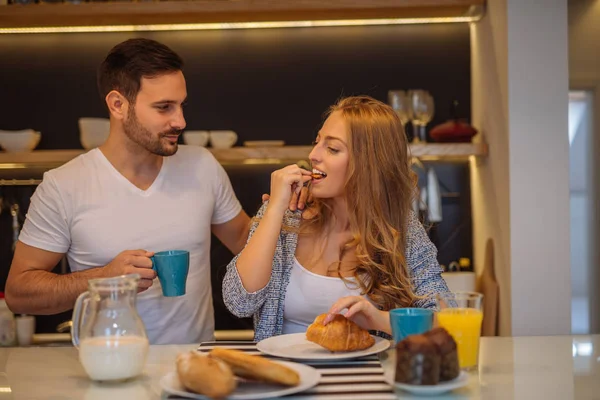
x=19, y=141
x=93, y=132
x=195, y=138
x=222, y=139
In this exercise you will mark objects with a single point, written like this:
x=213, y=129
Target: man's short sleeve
x=46, y=226
x=227, y=206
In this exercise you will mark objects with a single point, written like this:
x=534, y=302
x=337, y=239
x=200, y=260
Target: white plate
x=296, y=347
x=249, y=390
x=431, y=390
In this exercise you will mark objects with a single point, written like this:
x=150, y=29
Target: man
x=110, y=209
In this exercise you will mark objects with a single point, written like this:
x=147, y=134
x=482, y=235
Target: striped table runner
x=348, y=379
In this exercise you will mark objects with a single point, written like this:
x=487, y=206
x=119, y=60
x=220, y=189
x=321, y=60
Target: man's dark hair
x=129, y=61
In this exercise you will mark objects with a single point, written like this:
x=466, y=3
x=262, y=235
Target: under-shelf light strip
x=238, y=25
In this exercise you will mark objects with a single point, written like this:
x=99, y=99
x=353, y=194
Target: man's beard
x=137, y=133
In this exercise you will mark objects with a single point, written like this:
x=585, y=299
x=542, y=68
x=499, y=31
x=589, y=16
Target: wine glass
x=422, y=112
x=400, y=103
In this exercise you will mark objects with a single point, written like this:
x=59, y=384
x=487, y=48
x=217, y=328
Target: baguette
x=205, y=375
x=256, y=367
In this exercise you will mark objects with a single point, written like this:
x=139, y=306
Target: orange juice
x=464, y=324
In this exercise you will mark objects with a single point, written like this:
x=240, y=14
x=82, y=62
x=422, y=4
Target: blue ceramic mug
x=410, y=321
x=172, y=268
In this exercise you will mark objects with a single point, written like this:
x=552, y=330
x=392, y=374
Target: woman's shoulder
x=413, y=225
x=417, y=240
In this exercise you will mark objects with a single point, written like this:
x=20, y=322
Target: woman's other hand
x=362, y=312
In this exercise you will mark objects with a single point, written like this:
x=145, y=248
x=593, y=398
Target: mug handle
x=80, y=305
x=153, y=263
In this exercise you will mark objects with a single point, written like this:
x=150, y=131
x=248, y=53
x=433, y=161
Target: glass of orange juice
x=461, y=314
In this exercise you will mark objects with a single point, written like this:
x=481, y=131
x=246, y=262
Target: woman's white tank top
x=309, y=294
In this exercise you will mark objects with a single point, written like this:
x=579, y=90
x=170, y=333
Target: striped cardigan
x=266, y=304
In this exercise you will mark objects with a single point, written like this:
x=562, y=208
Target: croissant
x=341, y=334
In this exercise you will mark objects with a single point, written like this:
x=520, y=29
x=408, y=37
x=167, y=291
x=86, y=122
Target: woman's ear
x=117, y=105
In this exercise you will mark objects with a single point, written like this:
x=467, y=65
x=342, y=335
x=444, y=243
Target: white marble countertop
x=553, y=367
x=530, y=368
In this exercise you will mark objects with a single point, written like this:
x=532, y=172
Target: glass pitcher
x=111, y=337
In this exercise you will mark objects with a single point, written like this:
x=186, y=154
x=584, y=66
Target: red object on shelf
x=454, y=131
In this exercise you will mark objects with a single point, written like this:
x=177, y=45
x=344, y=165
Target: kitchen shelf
x=47, y=159
x=52, y=158
x=227, y=11
x=424, y=151
x=448, y=151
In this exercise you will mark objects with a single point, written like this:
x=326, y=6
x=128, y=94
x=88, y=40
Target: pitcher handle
x=77, y=312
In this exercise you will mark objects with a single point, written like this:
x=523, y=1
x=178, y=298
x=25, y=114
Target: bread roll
x=256, y=367
x=205, y=375
x=341, y=334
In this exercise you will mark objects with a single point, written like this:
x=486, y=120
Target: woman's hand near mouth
x=298, y=200
x=286, y=187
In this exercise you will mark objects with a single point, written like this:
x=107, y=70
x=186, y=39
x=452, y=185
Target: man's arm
x=234, y=232
x=32, y=288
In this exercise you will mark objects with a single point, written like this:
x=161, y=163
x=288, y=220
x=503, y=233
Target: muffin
x=446, y=346
x=417, y=361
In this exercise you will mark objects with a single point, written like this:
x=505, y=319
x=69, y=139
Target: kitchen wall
x=539, y=160
x=521, y=192
x=490, y=177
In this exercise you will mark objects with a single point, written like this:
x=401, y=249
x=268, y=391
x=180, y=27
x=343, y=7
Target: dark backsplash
x=264, y=84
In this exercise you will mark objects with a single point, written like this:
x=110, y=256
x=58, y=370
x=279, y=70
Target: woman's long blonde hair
x=379, y=193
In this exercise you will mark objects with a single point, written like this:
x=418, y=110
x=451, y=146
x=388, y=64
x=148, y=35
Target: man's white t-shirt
x=91, y=212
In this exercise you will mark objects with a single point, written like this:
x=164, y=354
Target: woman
x=357, y=245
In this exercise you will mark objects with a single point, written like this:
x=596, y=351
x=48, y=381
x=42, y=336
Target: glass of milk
x=108, y=331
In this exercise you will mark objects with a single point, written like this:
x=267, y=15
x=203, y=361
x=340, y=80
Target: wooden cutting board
x=488, y=286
